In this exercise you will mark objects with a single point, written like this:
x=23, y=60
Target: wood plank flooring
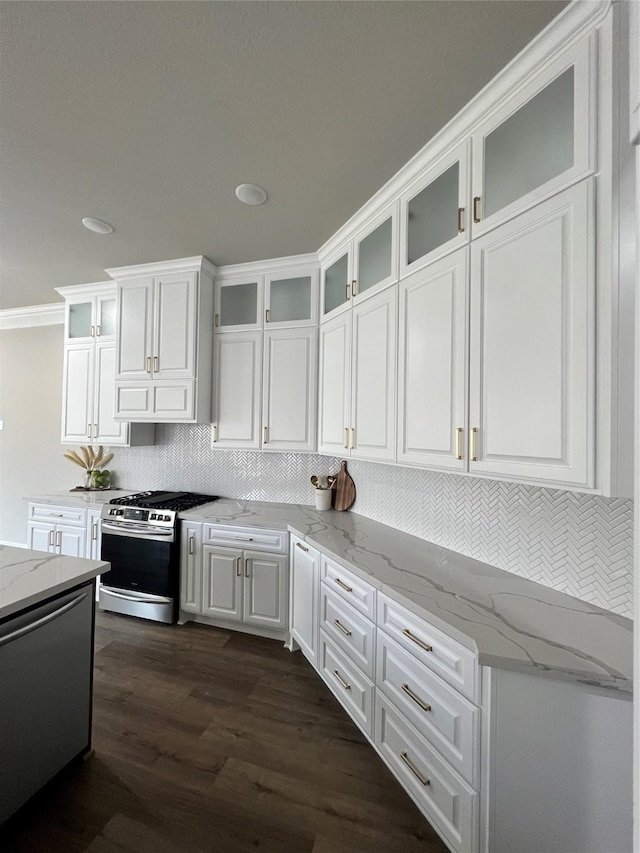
x=211, y=740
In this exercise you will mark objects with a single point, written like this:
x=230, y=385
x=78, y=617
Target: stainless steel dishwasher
x=46, y=658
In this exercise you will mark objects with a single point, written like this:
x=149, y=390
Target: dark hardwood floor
x=210, y=740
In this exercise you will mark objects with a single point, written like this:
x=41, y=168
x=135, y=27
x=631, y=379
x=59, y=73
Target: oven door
x=144, y=576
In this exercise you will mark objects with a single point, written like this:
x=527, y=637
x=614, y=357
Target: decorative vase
x=323, y=499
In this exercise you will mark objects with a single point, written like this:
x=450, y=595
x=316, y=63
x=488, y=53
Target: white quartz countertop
x=89, y=500
x=27, y=577
x=509, y=621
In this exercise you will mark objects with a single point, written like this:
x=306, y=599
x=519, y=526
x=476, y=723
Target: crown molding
x=198, y=263
x=51, y=314
x=272, y=265
x=95, y=288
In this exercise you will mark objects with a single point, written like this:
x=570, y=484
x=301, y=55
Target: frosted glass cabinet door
x=375, y=255
x=434, y=212
x=291, y=299
x=80, y=320
x=106, y=317
x=531, y=345
x=535, y=144
x=336, y=284
x=239, y=304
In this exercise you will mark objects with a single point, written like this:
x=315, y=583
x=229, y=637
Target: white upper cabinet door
x=291, y=298
x=135, y=328
x=434, y=211
x=289, y=389
x=105, y=327
x=175, y=323
x=334, y=386
x=432, y=362
x=222, y=583
x=80, y=319
x=375, y=255
x=336, y=276
x=239, y=304
x=106, y=429
x=532, y=344
x=373, y=393
x=536, y=142
x=77, y=393
x=237, y=390
x=265, y=590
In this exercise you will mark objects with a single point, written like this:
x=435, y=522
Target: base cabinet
x=305, y=597
x=57, y=529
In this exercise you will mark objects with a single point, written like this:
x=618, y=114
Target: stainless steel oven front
x=143, y=549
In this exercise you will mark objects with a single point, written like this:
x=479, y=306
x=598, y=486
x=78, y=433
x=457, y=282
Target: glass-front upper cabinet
x=434, y=211
x=291, y=298
x=537, y=142
x=91, y=317
x=238, y=303
x=365, y=265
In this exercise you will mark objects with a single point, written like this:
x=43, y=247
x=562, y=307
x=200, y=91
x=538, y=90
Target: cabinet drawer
x=349, y=630
x=247, y=537
x=352, y=689
x=443, y=797
x=448, y=658
x=58, y=514
x=445, y=718
x=344, y=583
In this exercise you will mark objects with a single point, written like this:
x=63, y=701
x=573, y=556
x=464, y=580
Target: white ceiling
x=148, y=114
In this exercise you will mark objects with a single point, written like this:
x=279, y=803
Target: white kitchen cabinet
x=539, y=140
x=237, y=390
x=291, y=298
x=94, y=534
x=364, y=265
x=289, y=389
x=265, y=389
x=532, y=344
x=432, y=364
x=164, y=341
x=222, y=583
x=305, y=597
x=434, y=210
x=89, y=370
x=358, y=365
x=57, y=529
x=239, y=303
x=191, y=567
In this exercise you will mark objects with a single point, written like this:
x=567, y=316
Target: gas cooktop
x=176, y=501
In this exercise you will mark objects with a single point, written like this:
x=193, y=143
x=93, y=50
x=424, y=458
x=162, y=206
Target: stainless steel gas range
x=141, y=540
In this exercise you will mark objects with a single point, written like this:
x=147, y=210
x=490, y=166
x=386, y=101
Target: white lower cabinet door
x=432, y=362
x=222, y=583
x=106, y=430
x=289, y=389
x=94, y=535
x=77, y=395
x=446, y=800
x=40, y=536
x=191, y=567
x=71, y=541
x=237, y=389
x=334, y=386
x=305, y=580
x=265, y=590
x=373, y=391
x=532, y=344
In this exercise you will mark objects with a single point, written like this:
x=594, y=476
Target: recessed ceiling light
x=251, y=194
x=97, y=225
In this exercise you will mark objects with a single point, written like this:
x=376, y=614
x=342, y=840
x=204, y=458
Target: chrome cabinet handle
x=407, y=633
x=243, y=538
x=93, y=331
x=459, y=433
x=343, y=585
x=192, y=549
x=97, y=331
x=267, y=314
x=345, y=442
x=473, y=451
x=348, y=286
x=238, y=567
x=55, y=514
x=246, y=567
x=156, y=364
x=301, y=546
x=461, y=220
x=414, y=769
x=216, y=320
x=58, y=539
x=424, y=705
x=341, y=680
x=341, y=627
x=264, y=435
x=214, y=429
x=51, y=542
x=148, y=364
x=354, y=289
x=476, y=209
x=94, y=530
x=89, y=430
x=352, y=438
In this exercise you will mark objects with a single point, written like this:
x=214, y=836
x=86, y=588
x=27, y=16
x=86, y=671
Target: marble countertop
x=89, y=500
x=27, y=577
x=509, y=621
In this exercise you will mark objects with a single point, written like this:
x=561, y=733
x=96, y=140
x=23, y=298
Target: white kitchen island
x=47, y=609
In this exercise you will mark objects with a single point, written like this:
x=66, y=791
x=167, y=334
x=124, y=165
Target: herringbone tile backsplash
x=579, y=544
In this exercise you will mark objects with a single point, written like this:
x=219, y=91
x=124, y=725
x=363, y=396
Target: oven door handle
x=135, y=531
x=150, y=599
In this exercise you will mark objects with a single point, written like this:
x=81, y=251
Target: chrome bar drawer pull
x=192, y=549
x=301, y=546
x=343, y=585
x=341, y=680
x=416, y=699
x=414, y=769
x=344, y=630
x=238, y=567
x=417, y=640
